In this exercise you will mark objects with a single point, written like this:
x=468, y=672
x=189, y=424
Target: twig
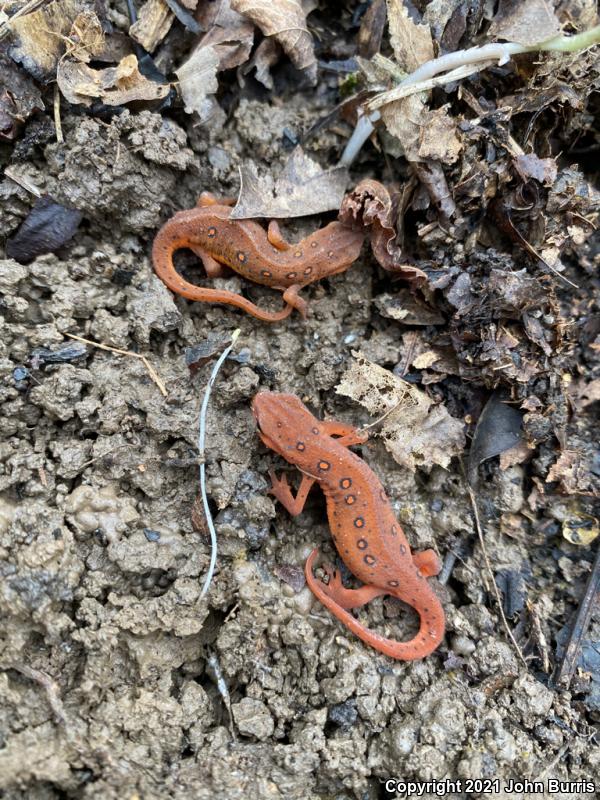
x=151, y=371
x=491, y=575
x=24, y=183
x=591, y=597
x=201, y=455
x=57, y=123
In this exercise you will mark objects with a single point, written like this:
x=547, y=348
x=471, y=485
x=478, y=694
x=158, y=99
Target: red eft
x=365, y=531
x=264, y=257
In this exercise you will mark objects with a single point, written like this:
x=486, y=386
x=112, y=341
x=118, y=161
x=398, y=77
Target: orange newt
x=365, y=531
x=244, y=246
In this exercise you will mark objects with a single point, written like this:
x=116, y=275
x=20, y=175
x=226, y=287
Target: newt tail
x=430, y=611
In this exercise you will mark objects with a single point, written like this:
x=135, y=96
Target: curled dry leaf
x=114, y=85
x=86, y=37
x=303, y=188
x=416, y=431
x=370, y=205
x=226, y=44
x=285, y=20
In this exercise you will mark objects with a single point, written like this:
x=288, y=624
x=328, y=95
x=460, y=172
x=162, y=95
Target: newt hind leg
x=343, y=597
x=427, y=562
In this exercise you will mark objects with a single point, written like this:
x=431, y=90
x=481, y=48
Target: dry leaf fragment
x=303, y=188
x=543, y=170
x=198, y=79
x=226, y=44
x=152, y=25
x=416, y=431
x=285, y=20
x=526, y=22
x=86, y=37
x=571, y=472
x=438, y=138
x=370, y=205
x=114, y=86
x=39, y=38
x=412, y=43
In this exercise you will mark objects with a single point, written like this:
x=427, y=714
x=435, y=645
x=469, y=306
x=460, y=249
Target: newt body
x=263, y=257
x=365, y=531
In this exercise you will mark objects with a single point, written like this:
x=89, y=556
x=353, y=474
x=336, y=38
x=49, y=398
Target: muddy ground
x=113, y=667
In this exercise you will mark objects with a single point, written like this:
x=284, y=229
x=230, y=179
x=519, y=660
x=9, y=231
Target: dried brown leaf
x=438, y=138
x=526, y=22
x=416, y=431
x=571, y=472
x=115, y=86
x=543, y=170
x=198, y=79
x=86, y=37
x=152, y=25
x=405, y=307
x=303, y=188
x=412, y=43
x=285, y=20
x=370, y=205
x=229, y=33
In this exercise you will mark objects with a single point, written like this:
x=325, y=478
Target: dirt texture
x=117, y=680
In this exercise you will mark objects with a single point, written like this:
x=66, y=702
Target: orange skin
x=244, y=246
x=365, y=531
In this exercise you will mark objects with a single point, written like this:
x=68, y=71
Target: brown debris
x=303, y=188
x=371, y=206
x=285, y=21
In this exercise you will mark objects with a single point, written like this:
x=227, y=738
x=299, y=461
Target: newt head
x=280, y=417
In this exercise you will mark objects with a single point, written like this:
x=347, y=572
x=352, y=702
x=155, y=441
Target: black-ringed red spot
x=241, y=256
x=403, y=549
x=291, y=275
x=370, y=560
x=265, y=273
x=300, y=446
x=211, y=232
x=350, y=499
x=315, y=431
x=359, y=522
x=280, y=424
x=330, y=254
x=298, y=254
x=362, y=544
x=346, y=483
x=323, y=466
x=393, y=584
x=313, y=244
x=395, y=533
x=307, y=271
